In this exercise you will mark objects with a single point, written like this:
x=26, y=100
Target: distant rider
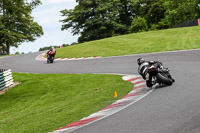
x=143, y=70
x=52, y=52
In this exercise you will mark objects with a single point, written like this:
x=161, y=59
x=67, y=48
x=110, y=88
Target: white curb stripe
x=140, y=84
x=137, y=80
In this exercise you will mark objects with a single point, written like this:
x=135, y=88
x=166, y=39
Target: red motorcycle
x=50, y=56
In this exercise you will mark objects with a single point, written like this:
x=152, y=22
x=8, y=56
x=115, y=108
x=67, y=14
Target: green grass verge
x=144, y=42
x=4, y=55
x=45, y=102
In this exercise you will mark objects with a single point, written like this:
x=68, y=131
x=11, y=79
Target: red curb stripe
x=116, y=105
x=132, y=94
x=81, y=122
x=138, y=82
x=133, y=79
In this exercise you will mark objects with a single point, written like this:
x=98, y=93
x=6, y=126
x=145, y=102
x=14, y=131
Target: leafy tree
x=16, y=23
x=127, y=10
x=155, y=13
x=94, y=19
x=179, y=11
x=152, y=11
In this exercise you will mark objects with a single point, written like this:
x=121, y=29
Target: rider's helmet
x=51, y=49
x=140, y=61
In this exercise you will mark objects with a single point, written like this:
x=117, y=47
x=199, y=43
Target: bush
x=17, y=53
x=138, y=24
x=74, y=43
x=65, y=45
x=161, y=25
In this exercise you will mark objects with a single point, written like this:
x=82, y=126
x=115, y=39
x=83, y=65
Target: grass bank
x=45, y=102
x=144, y=42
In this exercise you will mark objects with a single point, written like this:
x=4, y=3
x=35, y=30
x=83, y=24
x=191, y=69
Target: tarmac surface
x=173, y=109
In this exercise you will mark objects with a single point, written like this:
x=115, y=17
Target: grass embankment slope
x=144, y=42
x=45, y=102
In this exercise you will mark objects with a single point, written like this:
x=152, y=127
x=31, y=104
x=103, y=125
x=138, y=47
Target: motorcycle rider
x=52, y=52
x=144, y=70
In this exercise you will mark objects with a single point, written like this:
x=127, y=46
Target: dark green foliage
x=65, y=45
x=17, y=53
x=155, y=12
x=16, y=23
x=163, y=24
x=138, y=24
x=96, y=19
x=179, y=11
x=74, y=43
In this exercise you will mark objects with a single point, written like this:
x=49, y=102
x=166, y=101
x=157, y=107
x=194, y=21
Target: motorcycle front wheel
x=163, y=79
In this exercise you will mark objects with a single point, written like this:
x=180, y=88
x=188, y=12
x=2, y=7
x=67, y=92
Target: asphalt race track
x=173, y=109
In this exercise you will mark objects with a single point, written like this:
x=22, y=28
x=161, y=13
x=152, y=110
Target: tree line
x=97, y=19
